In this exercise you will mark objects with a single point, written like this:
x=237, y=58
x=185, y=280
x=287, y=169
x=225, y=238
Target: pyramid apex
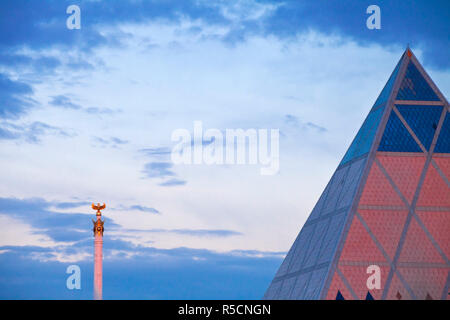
x=408, y=51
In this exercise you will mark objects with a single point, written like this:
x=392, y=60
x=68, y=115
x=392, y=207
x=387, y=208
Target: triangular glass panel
x=415, y=87
x=443, y=141
x=396, y=137
x=423, y=121
x=384, y=95
x=369, y=296
x=339, y=296
x=363, y=140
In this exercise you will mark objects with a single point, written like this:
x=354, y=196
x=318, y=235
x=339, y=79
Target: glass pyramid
x=387, y=204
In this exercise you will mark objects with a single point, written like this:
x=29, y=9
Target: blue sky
x=87, y=115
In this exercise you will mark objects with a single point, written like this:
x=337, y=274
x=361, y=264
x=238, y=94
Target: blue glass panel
x=318, y=207
x=336, y=186
x=273, y=290
x=287, y=260
x=331, y=238
x=313, y=250
x=363, y=140
x=415, y=87
x=305, y=238
x=286, y=288
x=351, y=182
x=396, y=138
x=369, y=296
x=423, y=120
x=339, y=296
x=384, y=95
x=300, y=286
x=443, y=142
x=315, y=284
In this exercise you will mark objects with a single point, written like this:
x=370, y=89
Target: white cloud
x=164, y=78
x=15, y=232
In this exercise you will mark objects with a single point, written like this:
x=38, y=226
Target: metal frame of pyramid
x=387, y=204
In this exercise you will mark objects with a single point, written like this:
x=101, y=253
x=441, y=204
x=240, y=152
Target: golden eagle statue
x=98, y=207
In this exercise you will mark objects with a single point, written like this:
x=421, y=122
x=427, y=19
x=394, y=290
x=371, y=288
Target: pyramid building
x=387, y=205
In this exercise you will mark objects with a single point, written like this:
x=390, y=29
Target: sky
x=87, y=115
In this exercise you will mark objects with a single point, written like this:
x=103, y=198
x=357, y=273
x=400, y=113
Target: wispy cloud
x=113, y=142
x=31, y=132
x=71, y=205
x=157, y=153
x=58, y=226
x=162, y=170
x=238, y=19
x=190, y=232
x=160, y=167
x=173, y=183
x=15, y=98
x=136, y=208
x=96, y=110
x=117, y=141
x=151, y=273
x=64, y=102
x=158, y=170
x=295, y=122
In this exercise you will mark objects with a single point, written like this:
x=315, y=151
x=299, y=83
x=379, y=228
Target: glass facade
x=400, y=219
x=415, y=87
x=396, y=137
x=423, y=120
x=443, y=141
x=363, y=140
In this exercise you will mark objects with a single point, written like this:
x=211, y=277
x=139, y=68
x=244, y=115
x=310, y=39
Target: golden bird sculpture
x=98, y=207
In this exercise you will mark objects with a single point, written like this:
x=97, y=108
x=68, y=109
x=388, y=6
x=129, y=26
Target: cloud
x=48, y=28
x=137, y=208
x=162, y=170
x=14, y=98
x=180, y=273
x=57, y=225
x=64, y=102
x=116, y=140
x=6, y=134
x=95, y=110
x=158, y=153
x=71, y=205
x=31, y=132
x=295, y=122
x=113, y=142
x=40, y=64
x=222, y=233
x=401, y=22
x=162, y=167
x=44, y=267
x=206, y=233
x=173, y=183
x=158, y=170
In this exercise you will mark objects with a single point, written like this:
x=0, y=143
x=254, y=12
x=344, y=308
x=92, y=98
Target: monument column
x=98, y=251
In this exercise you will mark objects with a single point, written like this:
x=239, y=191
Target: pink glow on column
x=98, y=251
x=98, y=265
x=98, y=258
